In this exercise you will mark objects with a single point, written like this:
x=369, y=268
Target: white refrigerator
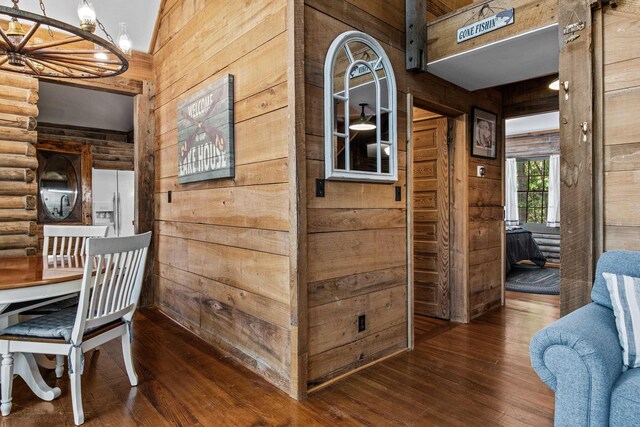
x=113, y=201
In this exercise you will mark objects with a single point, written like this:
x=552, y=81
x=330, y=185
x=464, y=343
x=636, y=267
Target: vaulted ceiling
x=140, y=16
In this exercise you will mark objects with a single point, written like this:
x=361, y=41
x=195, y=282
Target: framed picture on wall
x=484, y=131
x=205, y=133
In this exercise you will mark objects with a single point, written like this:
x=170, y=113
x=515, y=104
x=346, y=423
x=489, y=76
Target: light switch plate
x=481, y=171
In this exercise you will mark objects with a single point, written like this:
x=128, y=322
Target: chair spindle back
x=70, y=240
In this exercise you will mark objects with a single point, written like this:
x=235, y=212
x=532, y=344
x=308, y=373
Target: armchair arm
x=579, y=357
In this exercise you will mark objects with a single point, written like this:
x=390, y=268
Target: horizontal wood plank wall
x=222, y=246
x=18, y=164
x=486, y=230
x=621, y=135
x=533, y=144
x=530, y=15
x=529, y=97
x=357, y=260
x=109, y=149
x=437, y=8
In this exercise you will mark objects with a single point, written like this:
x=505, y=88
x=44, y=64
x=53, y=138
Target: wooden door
x=430, y=216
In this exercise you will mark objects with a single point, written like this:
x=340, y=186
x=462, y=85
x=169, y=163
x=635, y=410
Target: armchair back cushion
x=626, y=263
x=624, y=292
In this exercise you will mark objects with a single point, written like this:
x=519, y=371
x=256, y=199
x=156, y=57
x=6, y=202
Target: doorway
x=532, y=211
x=428, y=211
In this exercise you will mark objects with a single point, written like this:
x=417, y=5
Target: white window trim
x=350, y=175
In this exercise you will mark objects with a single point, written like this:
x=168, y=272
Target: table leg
x=27, y=368
x=43, y=361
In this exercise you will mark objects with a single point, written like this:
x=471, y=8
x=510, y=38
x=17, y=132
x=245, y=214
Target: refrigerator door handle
x=119, y=216
x=115, y=214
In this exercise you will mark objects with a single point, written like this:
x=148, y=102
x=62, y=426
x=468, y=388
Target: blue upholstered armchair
x=579, y=357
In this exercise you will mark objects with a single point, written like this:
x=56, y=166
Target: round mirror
x=58, y=187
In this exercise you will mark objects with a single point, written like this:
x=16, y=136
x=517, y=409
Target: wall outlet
x=319, y=187
x=481, y=171
x=362, y=322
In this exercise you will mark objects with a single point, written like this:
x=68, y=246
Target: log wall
x=109, y=149
x=222, y=251
x=621, y=134
x=357, y=233
x=18, y=164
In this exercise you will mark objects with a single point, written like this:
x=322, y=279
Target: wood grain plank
x=353, y=252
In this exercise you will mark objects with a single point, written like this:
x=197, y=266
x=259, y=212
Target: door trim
x=410, y=328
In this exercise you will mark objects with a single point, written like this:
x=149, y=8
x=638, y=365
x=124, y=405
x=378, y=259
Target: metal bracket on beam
x=416, y=35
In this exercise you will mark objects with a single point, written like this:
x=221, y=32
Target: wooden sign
x=205, y=133
x=487, y=25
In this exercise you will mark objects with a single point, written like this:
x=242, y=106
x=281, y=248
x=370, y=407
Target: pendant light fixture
x=124, y=41
x=87, y=15
x=362, y=123
x=72, y=52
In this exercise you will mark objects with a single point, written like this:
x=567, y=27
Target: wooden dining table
x=28, y=282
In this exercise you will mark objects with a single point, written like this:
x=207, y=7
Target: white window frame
x=347, y=174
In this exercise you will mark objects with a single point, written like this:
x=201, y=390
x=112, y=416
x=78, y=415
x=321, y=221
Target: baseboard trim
x=358, y=369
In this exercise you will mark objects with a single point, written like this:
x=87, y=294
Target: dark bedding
x=521, y=246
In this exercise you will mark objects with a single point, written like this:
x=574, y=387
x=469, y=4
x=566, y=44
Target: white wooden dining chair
x=70, y=240
x=64, y=241
x=108, y=300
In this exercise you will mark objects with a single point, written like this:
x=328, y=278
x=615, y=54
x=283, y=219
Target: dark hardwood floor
x=459, y=375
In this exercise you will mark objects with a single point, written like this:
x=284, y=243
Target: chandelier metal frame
x=47, y=59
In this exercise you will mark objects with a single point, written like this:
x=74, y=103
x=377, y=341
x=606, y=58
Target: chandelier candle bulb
x=87, y=15
x=100, y=54
x=124, y=41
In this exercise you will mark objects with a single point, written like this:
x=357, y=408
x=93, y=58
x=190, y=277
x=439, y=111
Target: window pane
x=533, y=216
x=533, y=184
x=536, y=183
x=363, y=127
x=522, y=199
x=339, y=116
x=385, y=147
x=535, y=200
x=522, y=181
x=362, y=52
x=522, y=214
x=342, y=62
x=339, y=152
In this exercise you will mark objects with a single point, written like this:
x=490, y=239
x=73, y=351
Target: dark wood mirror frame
x=75, y=216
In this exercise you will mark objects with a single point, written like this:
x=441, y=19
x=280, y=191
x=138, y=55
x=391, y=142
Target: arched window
x=360, y=123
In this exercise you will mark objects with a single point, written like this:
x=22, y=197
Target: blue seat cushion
x=57, y=325
x=53, y=307
x=625, y=400
x=626, y=263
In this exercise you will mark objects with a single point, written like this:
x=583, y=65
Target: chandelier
x=28, y=45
